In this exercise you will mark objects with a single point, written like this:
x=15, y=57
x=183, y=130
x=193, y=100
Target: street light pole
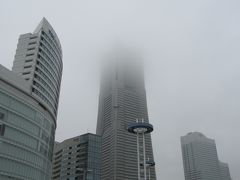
x=149, y=165
x=141, y=129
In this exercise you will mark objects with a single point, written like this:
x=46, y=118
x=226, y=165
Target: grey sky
x=192, y=56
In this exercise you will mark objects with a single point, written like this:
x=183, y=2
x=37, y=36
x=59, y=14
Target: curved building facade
x=38, y=60
x=26, y=132
x=29, y=97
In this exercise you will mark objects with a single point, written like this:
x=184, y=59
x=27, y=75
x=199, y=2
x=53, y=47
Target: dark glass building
x=77, y=158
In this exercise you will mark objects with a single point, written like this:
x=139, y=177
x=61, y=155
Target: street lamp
x=141, y=129
x=149, y=165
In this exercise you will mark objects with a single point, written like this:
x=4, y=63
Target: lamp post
x=141, y=128
x=149, y=165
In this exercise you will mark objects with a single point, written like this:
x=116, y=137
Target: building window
x=1, y=115
x=29, y=49
x=34, y=37
x=51, y=34
x=30, y=54
x=24, y=73
x=2, y=129
x=25, y=67
x=31, y=43
x=28, y=60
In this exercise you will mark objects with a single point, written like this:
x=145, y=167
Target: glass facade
x=26, y=139
x=93, y=157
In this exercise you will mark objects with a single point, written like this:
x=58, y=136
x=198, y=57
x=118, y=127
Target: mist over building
x=29, y=96
x=122, y=100
x=200, y=158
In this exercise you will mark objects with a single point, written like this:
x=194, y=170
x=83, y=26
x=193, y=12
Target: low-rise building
x=77, y=158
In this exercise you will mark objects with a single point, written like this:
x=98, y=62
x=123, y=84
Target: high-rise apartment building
x=122, y=100
x=200, y=159
x=38, y=60
x=77, y=158
x=28, y=106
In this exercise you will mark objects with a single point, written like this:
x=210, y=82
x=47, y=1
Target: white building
x=29, y=97
x=200, y=159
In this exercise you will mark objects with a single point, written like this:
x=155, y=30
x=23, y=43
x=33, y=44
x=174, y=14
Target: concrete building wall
x=200, y=157
x=28, y=106
x=26, y=131
x=38, y=60
x=77, y=158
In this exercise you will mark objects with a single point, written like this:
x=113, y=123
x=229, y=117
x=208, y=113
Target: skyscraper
x=28, y=106
x=38, y=60
x=77, y=158
x=122, y=100
x=200, y=159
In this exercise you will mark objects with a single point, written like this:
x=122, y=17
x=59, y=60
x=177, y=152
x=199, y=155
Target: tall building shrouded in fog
x=122, y=100
x=200, y=159
x=29, y=97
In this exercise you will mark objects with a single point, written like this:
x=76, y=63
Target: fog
x=191, y=54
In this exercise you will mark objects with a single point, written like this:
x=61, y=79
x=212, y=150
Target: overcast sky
x=192, y=66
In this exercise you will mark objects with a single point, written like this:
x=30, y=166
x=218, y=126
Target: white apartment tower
x=38, y=60
x=200, y=159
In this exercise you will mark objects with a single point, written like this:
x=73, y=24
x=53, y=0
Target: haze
x=191, y=50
